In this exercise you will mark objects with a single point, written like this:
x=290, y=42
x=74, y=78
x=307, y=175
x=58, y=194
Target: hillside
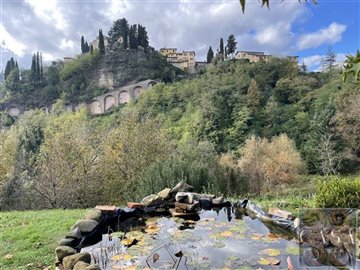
x=86, y=76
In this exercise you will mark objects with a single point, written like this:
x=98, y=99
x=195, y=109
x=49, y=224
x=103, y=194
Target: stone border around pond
x=179, y=201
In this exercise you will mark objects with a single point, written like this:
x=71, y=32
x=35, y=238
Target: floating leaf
x=155, y=257
x=121, y=257
x=271, y=252
x=227, y=234
x=257, y=236
x=292, y=250
x=128, y=241
x=219, y=245
x=233, y=258
x=269, y=261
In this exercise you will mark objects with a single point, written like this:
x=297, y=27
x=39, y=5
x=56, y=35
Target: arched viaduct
x=102, y=103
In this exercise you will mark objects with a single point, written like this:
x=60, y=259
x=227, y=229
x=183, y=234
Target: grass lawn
x=28, y=238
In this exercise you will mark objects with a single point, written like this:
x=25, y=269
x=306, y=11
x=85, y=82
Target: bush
x=270, y=163
x=338, y=193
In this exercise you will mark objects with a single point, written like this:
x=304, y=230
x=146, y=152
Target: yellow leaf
x=128, y=242
x=271, y=252
x=257, y=236
x=227, y=234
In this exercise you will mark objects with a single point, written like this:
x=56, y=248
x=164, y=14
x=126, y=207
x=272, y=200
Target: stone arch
x=95, y=107
x=109, y=102
x=138, y=91
x=13, y=111
x=150, y=84
x=124, y=97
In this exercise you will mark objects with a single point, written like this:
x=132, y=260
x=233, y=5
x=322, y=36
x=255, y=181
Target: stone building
x=95, y=42
x=184, y=60
x=253, y=57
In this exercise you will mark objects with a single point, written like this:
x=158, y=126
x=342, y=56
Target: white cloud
x=49, y=12
x=9, y=43
x=329, y=35
x=313, y=62
x=67, y=44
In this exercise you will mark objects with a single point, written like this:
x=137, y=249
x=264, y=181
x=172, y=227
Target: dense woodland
x=238, y=129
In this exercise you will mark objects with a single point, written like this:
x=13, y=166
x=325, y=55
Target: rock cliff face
x=121, y=67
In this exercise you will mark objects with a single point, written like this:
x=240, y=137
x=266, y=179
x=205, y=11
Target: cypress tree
x=231, y=44
x=86, y=47
x=101, y=42
x=7, y=69
x=33, y=68
x=82, y=44
x=210, y=55
x=41, y=68
x=133, y=37
x=221, y=46
x=91, y=49
x=37, y=67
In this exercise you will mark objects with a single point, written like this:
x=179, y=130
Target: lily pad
x=219, y=245
x=271, y=252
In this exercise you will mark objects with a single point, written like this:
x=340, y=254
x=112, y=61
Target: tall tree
x=221, y=46
x=119, y=29
x=101, y=42
x=33, y=68
x=210, y=55
x=329, y=60
x=41, y=68
x=82, y=44
x=253, y=96
x=10, y=65
x=91, y=49
x=143, y=39
x=231, y=45
x=37, y=67
x=86, y=47
x=133, y=37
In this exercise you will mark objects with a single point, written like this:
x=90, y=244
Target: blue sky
x=288, y=28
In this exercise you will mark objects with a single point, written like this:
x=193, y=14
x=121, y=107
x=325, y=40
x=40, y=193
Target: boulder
x=186, y=206
x=81, y=266
x=205, y=203
x=165, y=193
x=94, y=214
x=134, y=205
x=182, y=187
x=70, y=261
x=152, y=200
x=106, y=208
x=70, y=242
x=63, y=251
x=280, y=213
x=185, y=197
x=218, y=200
x=85, y=226
x=75, y=234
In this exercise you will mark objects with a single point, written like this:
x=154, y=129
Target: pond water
x=222, y=239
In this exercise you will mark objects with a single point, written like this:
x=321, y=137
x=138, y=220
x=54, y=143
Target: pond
x=219, y=239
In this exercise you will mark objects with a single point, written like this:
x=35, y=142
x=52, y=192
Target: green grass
x=30, y=237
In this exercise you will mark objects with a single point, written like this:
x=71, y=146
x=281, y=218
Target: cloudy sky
x=54, y=27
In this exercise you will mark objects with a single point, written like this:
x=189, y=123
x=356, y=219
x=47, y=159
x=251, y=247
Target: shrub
x=270, y=163
x=338, y=193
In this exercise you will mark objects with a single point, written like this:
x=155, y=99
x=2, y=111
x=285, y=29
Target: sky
x=55, y=27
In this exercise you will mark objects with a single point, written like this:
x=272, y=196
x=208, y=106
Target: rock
x=85, y=226
x=75, y=234
x=165, y=193
x=134, y=205
x=81, y=265
x=280, y=213
x=63, y=251
x=106, y=208
x=94, y=214
x=187, y=206
x=182, y=187
x=70, y=261
x=70, y=242
x=218, y=200
x=185, y=197
x=152, y=200
x=205, y=203
x=93, y=267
